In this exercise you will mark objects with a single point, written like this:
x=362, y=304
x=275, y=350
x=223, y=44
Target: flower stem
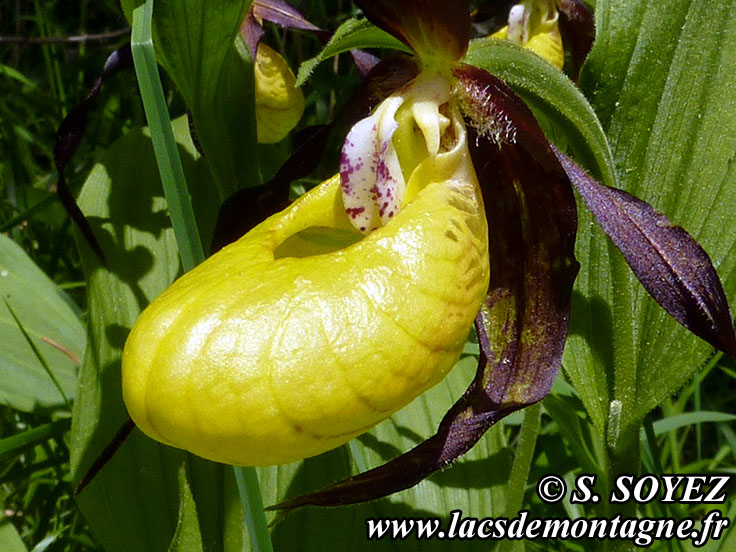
x=255, y=520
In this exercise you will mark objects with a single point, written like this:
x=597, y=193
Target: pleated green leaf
x=187, y=537
x=51, y=322
x=660, y=78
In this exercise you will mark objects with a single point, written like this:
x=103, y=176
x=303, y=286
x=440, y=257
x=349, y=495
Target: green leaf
x=522, y=461
x=690, y=418
x=52, y=323
x=187, y=537
x=661, y=80
x=16, y=444
x=354, y=33
x=197, y=42
x=10, y=540
x=554, y=98
x=549, y=93
x=132, y=503
x=562, y=409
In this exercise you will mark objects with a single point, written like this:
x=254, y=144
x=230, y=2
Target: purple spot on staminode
x=354, y=211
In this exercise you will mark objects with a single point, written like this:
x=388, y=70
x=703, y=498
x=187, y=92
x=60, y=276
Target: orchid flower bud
x=307, y=332
x=279, y=103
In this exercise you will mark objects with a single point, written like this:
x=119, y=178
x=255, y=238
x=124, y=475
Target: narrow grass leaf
x=250, y=494
x=164, y=145
x=17, y=444
x=179, y=203
x=523, y=457
x=690, y=418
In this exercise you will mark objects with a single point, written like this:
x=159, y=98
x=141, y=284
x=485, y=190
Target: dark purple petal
x=438, y=28
x=497, y=113
x=283, y=14
x=69, y=136
x=522, y=326
x=252, y=33
x=577, y=28
x=532, y=221
x=364, y=61
x=279, y=12
x=669, y=263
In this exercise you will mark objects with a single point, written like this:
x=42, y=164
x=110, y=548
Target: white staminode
x=373, y=184
x=529, y=15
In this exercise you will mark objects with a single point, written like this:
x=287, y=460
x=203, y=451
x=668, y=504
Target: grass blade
x=164, y=145
x=15, y=444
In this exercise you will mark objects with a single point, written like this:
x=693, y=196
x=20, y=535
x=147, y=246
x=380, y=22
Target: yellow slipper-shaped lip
x=262, y=355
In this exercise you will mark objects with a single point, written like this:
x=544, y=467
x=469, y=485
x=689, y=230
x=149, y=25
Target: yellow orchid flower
x=312, y=328
x=534, y=24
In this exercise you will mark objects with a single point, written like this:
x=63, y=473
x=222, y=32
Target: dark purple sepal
x=532, y=224
x=431, y=28
x=364, y=61
x=522, y=325
x=283, y=14
x=252, y=32
x=69, y=135
x=577, y=28
x=670, y=264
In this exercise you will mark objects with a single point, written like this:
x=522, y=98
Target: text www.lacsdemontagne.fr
x=640, y=531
